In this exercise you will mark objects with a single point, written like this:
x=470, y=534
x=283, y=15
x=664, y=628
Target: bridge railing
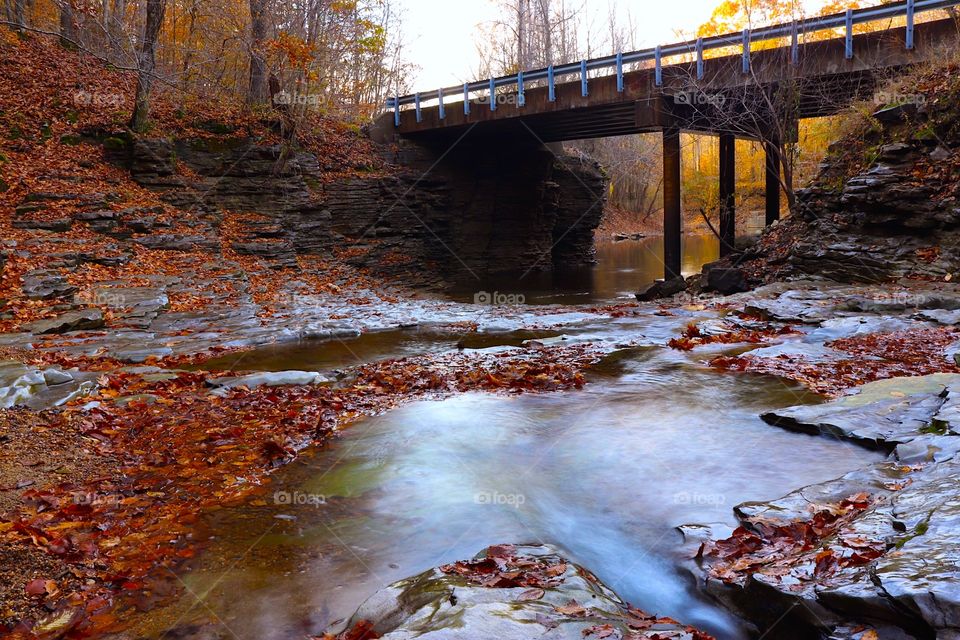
x=794, y=30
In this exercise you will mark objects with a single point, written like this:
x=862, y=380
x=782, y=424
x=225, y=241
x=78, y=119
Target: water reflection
x=622, y=269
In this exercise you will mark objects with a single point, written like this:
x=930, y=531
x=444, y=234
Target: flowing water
x=605, y=474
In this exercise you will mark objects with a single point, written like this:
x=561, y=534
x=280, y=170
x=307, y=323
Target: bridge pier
x=728, y=217
x=772, y=191
x=671, y=203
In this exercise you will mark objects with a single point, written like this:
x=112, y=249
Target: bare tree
x=257, y=93
x=147, y=63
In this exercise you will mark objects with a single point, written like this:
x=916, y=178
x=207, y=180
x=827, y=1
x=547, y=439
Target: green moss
x=70, y=139
x=114, y=144
x=919, y=530
x=937, y=427
x=220, y=128
x=926, y=132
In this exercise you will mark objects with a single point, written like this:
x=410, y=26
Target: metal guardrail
x=794, y=30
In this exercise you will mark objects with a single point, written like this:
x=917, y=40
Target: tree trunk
x=118, y=13
x=19, y=12
x=146, y=63
x=68, y=24
x=258, y=65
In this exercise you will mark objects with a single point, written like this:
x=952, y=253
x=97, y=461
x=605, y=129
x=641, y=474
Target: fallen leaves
x=805, y=550
x=503, y=568
x=125, y=534
x=873, y=356
x=692, y=336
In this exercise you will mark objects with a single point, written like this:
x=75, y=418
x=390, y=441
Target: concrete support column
x=772, y=152
x=728, y=218
x=671, y=203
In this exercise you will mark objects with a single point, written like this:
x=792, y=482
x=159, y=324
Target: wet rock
x=662, y=289
x=268, y=379
x=923, y=573
x=173, y=242
x=56, y=376
x=572, y=605
x=723, y=279
x=881, y=414
x=57, y=224
x=71, y=321
x=45, y=287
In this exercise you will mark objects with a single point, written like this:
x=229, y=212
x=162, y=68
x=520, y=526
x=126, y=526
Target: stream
x=605, y=474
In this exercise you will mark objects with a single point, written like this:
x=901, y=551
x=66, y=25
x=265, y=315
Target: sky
x=441, y=35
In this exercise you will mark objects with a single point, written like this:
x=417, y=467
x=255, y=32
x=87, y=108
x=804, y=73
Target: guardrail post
x=699, y=58
x=658, y=67
x=619, y=72
x=521, y=99
x=417, y=102
x=493, y=95
x=849, y=52
x=443, y=113
x=794, y=44
x=551, y=88
x=583, y=78
x=466, y=99
x=746, y=50
x=396, y=111
x=909, y=24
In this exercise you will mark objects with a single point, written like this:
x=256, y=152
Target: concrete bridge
x=758, y=86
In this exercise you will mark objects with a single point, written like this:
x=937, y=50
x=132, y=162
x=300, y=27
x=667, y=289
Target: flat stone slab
x=883, y=414
x=507, y=592
x=81, y=320
x=267, y=379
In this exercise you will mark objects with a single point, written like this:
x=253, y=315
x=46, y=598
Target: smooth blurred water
x=655, y=440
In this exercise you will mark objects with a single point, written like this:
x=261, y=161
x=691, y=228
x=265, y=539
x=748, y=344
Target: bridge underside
x=764, y=104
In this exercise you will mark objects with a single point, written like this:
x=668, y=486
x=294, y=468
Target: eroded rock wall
x=439, y=213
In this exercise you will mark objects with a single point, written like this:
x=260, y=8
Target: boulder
x=662, y=289
x=71, y=321
x=724, y=280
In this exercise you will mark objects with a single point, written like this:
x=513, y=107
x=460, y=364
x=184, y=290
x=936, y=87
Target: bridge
x=758, y=86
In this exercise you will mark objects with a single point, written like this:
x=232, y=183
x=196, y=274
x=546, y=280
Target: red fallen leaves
x=691, y=336
x=502, y=568
x=780, y=548
x=874, y=356
x=189, y=453
x=362, y=630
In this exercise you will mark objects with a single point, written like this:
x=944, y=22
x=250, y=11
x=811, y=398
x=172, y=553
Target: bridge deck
x=826, y=81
